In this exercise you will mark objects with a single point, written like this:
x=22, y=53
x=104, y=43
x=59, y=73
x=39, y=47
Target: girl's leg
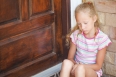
x=82, y=71
x=66, y=68
x=90, y=72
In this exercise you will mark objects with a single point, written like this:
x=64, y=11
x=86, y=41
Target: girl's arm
x=99, y=60
x=72, y=51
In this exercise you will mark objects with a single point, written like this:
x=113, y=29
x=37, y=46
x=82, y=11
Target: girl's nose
x=83, y=27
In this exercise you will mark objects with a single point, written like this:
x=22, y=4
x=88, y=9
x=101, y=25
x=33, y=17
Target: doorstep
x=49, y=72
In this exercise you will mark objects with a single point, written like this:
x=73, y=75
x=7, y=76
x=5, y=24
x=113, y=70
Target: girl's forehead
x=83, y=15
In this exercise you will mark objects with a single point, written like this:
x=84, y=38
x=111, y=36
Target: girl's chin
x=85, y=32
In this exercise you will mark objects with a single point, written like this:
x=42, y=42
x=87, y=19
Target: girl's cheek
x=85, y=26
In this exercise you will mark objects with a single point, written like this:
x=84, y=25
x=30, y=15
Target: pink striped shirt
x=87, y=48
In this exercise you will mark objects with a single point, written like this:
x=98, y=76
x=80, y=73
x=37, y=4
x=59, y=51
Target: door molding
x=66, y=23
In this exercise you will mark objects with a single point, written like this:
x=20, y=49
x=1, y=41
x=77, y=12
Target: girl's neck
x=91, y=34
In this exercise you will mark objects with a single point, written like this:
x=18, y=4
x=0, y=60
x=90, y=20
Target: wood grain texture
x=9, y=11
x=26, y=47
x=34, y=41
x=40, y=6
x=21, y=27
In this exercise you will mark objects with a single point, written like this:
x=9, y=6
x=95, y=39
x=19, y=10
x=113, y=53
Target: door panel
x=21, y=48
x=44, y=6
x=14, y=28
x=9, y=11
x=30, y=36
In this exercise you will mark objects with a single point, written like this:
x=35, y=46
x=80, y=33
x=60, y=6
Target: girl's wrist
x=77, y=62
x=74, y=62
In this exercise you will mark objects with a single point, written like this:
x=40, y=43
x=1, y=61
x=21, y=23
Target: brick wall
x=107, y=13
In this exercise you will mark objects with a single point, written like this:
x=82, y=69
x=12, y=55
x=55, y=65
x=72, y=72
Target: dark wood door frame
x=66, y=23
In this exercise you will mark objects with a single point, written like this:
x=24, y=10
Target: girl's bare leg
x=66, y=68
x=90, y=72
x=80, y=71
x=83, y=71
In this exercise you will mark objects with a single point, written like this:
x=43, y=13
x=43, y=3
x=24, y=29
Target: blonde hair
x=86, y=7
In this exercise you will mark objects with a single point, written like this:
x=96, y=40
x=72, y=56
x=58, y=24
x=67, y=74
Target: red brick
x=112, y=46
x=105, y=29
x=110, y=19
x=105, y=6
x=112, y=32
x=111, y=69
x=110, y=57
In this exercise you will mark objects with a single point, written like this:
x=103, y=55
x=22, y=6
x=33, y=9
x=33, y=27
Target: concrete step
x=50, y=72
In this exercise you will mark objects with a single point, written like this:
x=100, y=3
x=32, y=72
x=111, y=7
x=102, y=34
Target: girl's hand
x=73, y=69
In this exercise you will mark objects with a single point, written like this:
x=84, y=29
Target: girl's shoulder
x=103, y=40
x=74, y=34
x=74, y=37
x=76, y=31
x=101, y=34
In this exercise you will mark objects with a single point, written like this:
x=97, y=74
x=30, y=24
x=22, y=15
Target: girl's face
x=85, y=22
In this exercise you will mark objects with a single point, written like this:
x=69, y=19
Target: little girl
x=87, y=45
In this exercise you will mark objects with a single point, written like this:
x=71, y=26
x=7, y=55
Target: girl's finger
x=77, y=63
x=72, y=72
x=80, y=63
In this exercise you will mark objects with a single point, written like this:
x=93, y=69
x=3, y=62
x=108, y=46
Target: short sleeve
x=73, y=36
x=103, y=42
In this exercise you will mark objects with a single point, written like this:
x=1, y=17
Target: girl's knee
x=67, y=65
x=67, y=62
x=80, y=68
x=80, y=71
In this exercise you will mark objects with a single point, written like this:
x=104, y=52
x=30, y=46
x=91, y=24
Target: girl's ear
x=94, y=18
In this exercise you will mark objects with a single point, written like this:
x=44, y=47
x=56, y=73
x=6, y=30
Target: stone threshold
x=49, y=72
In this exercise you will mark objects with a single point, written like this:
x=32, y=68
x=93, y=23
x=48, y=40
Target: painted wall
x=74, y=4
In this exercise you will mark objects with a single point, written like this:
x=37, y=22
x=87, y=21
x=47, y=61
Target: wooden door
x=30, y=36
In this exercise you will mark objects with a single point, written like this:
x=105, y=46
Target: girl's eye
x=85, y=23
